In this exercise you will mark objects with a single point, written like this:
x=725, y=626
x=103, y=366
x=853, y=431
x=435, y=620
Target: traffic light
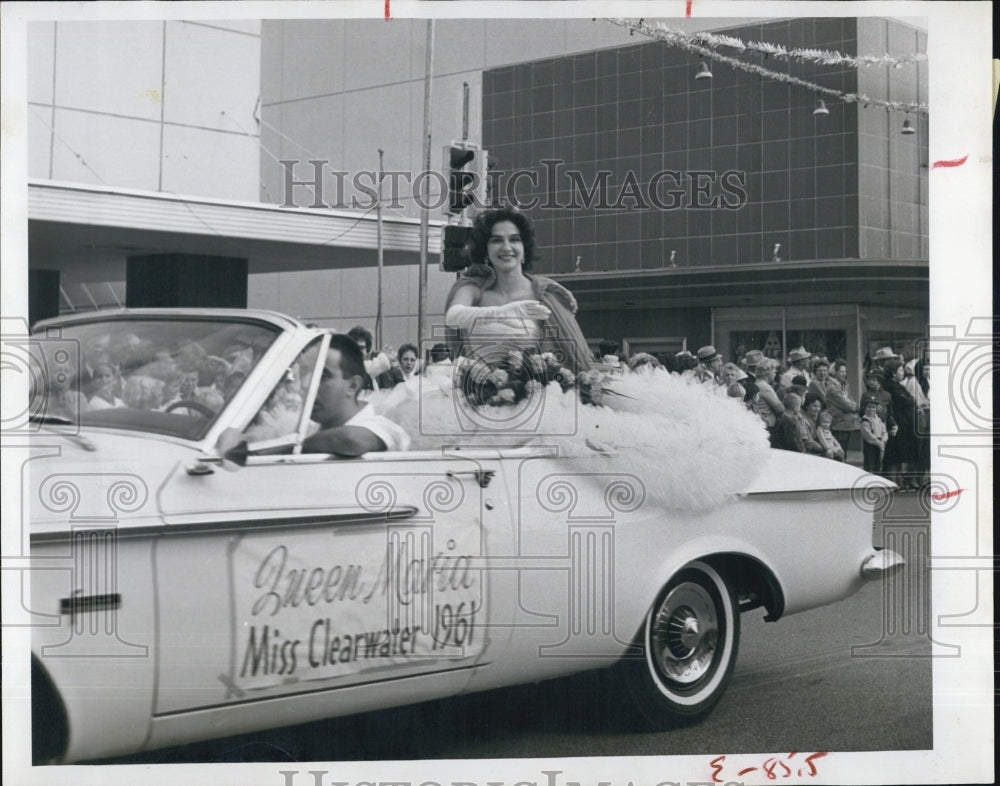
x=453, y=253
x=466, y=172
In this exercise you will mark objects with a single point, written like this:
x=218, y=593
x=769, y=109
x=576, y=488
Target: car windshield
x=169, y=375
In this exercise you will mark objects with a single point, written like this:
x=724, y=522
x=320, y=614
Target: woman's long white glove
x=510, y=315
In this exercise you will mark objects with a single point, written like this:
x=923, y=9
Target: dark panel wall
x=185, y=281
x=618, y=117
x=43, y=294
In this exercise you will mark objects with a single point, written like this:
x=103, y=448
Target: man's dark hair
x=406, y=348
x=359, y=334
x=483, y=228
x=352, y=362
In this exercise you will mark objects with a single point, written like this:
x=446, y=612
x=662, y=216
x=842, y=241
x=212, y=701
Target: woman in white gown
x=499, y=300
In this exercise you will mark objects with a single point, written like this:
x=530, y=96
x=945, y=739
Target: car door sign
x=317, y=605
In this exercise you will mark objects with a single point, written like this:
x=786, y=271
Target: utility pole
x=425, y=189
x=378, y=216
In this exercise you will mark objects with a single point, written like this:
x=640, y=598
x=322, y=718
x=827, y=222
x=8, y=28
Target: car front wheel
x=689, y=642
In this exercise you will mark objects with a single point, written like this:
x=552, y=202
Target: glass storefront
x=847, y=331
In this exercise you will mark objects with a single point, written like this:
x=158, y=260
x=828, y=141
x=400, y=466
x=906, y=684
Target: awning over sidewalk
x=70, y=223
x=899, y=283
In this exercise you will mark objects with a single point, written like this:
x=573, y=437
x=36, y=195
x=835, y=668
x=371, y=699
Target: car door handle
x=482, y=476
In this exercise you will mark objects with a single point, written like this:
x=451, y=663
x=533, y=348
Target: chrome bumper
x=879, y=563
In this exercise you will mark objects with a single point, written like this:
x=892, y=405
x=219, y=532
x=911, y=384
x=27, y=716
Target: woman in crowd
x=63, y=398
x=812, y=405
x=731, y=381
x=788, y=431
x=408, y=358
x=767, y=404
x=818, y=384
x=499, y=298
x=105, y=380
x=901, y=451
x=843, y=409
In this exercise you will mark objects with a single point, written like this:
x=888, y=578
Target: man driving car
x=348, y=427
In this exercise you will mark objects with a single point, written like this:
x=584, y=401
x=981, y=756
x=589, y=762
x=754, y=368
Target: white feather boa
x=692, y=450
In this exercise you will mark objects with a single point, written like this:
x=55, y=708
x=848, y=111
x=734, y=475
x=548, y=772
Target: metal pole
x=465, y=111
x=424, y=209
x=378, y=216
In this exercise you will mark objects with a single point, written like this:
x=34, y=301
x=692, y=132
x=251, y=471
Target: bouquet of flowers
x=510, y=378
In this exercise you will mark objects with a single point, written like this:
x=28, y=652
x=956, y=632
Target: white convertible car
x=182, y=592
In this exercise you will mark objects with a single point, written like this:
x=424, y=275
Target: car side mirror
x=232, y=446
x=237, y=453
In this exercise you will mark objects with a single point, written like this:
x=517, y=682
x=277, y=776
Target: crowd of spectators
x=811, y=408
x=806, y=405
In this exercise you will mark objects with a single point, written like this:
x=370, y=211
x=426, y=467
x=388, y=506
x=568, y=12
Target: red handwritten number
x=717, y=768
x=770, y=766
x=809, y=761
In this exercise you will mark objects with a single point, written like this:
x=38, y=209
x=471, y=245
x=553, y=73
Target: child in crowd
x=873, y=437
x=824, y=436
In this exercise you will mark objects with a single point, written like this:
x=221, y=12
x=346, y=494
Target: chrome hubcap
x=685, y=633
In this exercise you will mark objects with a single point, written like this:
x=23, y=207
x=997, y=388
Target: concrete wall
x=159, y=106
x=344, y=298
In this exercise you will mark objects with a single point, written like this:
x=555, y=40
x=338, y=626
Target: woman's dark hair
x=439, y=352
x=810, y=398
x=407, y=348
x=889, y=372
x=483, y=228
x=359, y=334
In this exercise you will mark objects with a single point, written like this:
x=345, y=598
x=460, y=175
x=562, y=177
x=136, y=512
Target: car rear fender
x=744, y=568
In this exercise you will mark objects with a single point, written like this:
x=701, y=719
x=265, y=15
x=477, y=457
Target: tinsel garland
x=688, y=42
x=820, y=56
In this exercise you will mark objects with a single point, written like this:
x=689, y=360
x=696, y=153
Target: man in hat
x=883, y=355
x=750, y=362
x=709, y=371
x=798, y=362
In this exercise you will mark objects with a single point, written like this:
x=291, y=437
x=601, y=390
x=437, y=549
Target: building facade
x=680, y=211
x=724, y=209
